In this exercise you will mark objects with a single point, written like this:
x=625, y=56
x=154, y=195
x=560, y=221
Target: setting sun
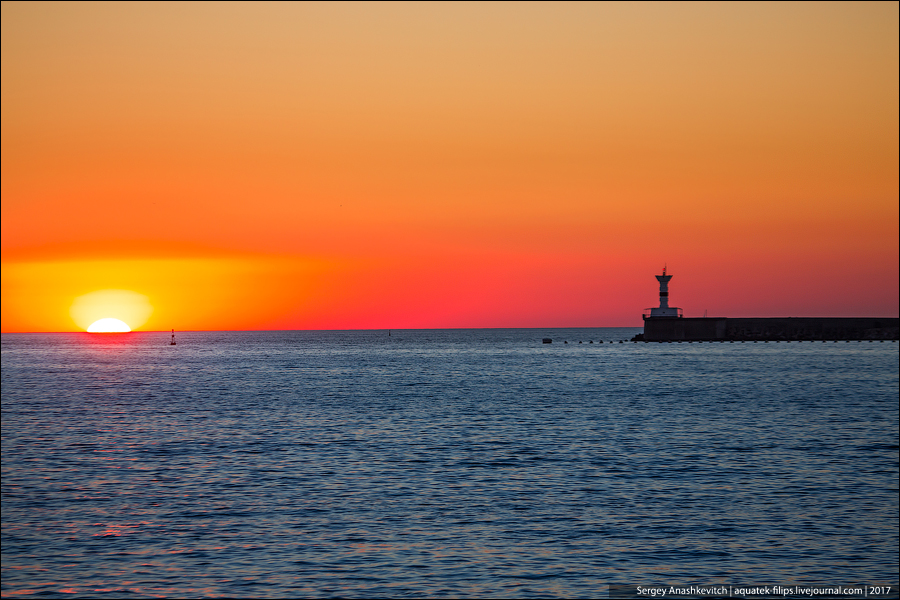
x=109, y=325
x=92, y=311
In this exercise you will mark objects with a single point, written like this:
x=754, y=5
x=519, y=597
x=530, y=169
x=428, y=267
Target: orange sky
x=300, y=166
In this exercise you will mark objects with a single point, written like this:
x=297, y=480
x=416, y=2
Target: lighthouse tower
x=664, y=309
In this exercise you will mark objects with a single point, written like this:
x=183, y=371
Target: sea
x=464, y=463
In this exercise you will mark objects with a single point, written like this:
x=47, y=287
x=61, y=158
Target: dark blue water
x=461, y=463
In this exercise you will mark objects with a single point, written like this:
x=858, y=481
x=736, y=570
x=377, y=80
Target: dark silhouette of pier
x=663, y=329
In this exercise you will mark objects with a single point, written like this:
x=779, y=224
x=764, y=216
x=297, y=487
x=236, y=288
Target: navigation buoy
x=172, y=343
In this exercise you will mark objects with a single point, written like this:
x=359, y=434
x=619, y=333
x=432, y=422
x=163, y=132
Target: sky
x=229, y=166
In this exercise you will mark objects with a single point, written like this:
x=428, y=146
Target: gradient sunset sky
x=346, y=166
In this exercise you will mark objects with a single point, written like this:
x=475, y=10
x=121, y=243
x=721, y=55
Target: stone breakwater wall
x=775, y=329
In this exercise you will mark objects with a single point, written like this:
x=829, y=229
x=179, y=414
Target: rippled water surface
x=463, y=463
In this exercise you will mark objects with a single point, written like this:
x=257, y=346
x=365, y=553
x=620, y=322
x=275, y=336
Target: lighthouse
x=664, y=309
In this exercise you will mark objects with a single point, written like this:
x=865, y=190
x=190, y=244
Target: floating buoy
x=172, y=343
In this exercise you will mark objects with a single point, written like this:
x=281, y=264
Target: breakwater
x=661, y=329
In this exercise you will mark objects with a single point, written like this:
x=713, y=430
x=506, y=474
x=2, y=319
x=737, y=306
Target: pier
x=666, y=324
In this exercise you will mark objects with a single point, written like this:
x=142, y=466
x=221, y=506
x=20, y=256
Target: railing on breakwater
x=648, y=313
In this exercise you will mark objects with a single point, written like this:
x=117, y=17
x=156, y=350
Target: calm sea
x=458, y=463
